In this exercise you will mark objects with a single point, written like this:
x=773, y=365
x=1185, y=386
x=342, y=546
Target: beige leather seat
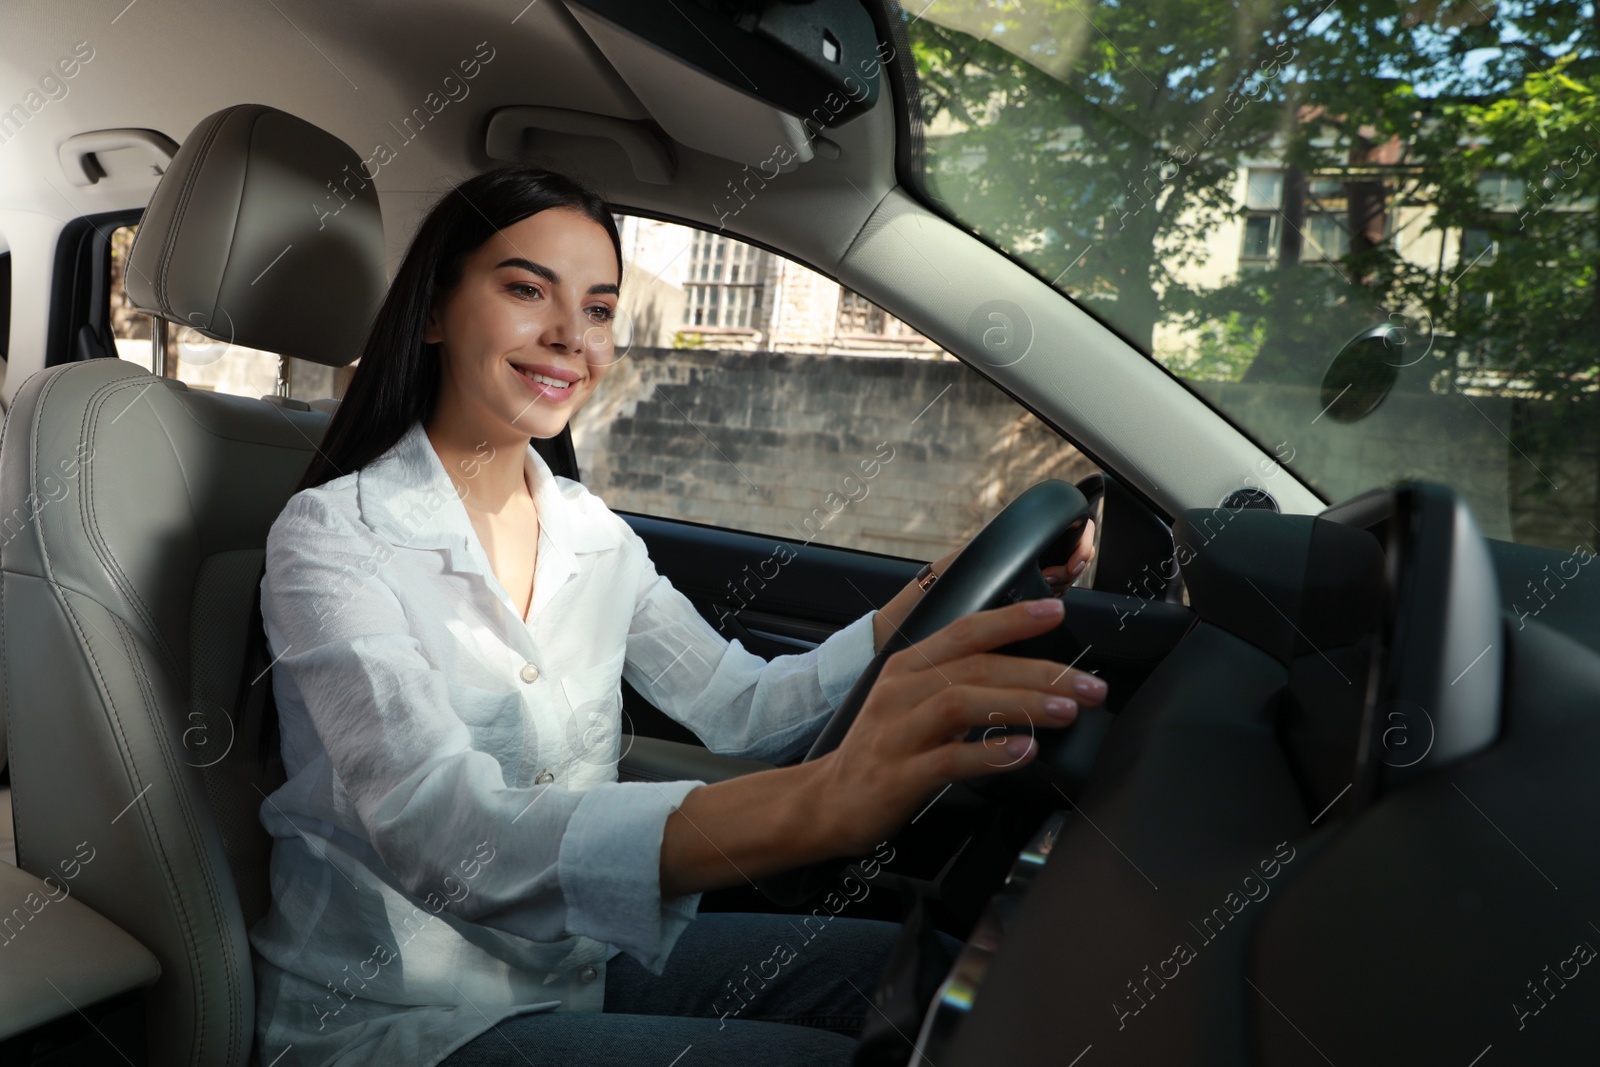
x=126, y=596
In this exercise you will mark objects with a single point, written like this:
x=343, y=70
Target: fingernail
x=1018, y=745
x=1089, y=686
x=1077, y=568
x=1060, y=708
x=1045, y=607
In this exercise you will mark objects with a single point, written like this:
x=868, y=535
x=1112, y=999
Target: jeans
x=714, y=997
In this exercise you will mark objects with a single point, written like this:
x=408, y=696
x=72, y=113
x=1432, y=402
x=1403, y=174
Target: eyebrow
x=551, y=276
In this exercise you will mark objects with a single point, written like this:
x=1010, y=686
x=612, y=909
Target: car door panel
x=776, y=596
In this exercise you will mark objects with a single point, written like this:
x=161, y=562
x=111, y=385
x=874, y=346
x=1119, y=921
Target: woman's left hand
x=1060, y=577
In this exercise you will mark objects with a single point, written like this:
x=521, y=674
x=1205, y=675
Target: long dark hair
x=397, y=381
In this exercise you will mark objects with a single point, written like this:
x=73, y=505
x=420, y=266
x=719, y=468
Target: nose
x=565, y=334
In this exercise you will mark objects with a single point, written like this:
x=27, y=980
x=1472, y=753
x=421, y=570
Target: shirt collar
x=406, y=496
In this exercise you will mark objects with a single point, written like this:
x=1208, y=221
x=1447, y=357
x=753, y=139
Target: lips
x=547, y=378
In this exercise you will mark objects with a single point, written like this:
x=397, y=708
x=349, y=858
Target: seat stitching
x=185, y=193
x=91, y=527
x=125, y=751
x=90, y=418
x=196, y=842
x=5, y=671
x=91, y=415
x=191, y=822
x=33, y=450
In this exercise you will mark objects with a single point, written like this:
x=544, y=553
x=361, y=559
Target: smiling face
x=525, y=335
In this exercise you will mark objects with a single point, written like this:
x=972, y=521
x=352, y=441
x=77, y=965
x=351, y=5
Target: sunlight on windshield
x=1366, y=233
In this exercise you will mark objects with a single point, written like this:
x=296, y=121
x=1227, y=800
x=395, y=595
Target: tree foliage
x=1102, y=142
x=1441, y=165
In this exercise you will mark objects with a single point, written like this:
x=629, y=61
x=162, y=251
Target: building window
x=1477, y=244
x=726, y=278
x=1499, y=192
x=1263, y=197
x=857, y=314
x=1260, y=237
x=1327, y=232
x=1263, y=190
x=1326, y=236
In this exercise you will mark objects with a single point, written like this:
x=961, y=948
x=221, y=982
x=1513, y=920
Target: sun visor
x=695, y=70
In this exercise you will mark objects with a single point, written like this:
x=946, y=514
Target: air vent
x=1250, y=500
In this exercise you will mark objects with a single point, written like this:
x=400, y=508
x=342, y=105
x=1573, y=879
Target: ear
x=431, y=333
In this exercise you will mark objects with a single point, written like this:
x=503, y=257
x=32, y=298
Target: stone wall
x=775, y=443
x=1523, y=481
x=907, y=457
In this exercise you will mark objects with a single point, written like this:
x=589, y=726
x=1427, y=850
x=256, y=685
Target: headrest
x=264, y=232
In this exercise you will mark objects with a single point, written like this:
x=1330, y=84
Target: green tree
x=1102, y=143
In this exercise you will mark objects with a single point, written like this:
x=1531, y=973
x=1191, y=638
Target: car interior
x=1334, y=809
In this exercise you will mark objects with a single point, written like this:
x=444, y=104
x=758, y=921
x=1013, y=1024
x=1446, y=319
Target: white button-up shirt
x=452, y=845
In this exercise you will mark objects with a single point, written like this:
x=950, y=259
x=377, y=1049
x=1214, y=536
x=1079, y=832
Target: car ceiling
x=354, y=69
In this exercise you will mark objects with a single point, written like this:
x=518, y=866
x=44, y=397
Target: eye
x=524, y=290
x=601, y=313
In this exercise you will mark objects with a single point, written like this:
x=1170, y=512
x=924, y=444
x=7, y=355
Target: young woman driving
x=458, y=876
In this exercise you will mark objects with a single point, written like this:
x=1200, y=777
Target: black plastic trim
x=5, y=304
x=80, y=282
x=705, y=34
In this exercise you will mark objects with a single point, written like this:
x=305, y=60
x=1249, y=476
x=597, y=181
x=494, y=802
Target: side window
x=202, y=362
x=753, y=393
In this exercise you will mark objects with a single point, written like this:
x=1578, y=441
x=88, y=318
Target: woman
x=457, y=875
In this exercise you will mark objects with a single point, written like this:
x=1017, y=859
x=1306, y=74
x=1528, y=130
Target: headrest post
x=158, y=346
x=283, y=376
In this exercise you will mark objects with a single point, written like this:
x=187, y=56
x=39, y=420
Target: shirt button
x=530, y=673
x=545, y=778
x=587, y=973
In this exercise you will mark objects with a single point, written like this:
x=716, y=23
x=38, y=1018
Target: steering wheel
x=998, y=566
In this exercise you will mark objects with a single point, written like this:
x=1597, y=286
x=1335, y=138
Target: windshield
x=1364, y=232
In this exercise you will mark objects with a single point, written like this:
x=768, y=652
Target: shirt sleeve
x=567, y=863
x=736, y=702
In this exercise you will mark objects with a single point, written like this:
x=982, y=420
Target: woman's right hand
x=907, y=743
x=909, y=739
